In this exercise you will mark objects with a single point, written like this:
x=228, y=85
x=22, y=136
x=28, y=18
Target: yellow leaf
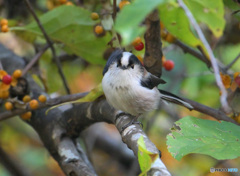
x=90, y=97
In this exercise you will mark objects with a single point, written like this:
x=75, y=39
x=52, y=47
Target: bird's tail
x=169, y=97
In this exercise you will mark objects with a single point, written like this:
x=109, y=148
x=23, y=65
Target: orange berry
x=33, y=104
x=17, y=74
x=42, y=98
x=170, y=38
x=8, y=106
x=4, y=22
x=4, y=28
x=98, y=29
x=26, y=98
x=26, y=116
x=4, y=94
x=123, y=3
x=68, y=3
x=94, y=16
x=136, y=41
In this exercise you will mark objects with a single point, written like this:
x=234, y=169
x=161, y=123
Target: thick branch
x=153, y=48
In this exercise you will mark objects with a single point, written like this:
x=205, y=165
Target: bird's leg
x=133, y=121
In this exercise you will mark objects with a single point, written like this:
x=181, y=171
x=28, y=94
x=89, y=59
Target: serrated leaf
x=129, y=18
x=210, y=13
x=176, y=22
x=145, y=158
x=219, y=140
x=73, y=27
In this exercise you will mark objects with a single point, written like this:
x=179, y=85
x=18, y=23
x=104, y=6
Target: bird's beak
x=124, y=67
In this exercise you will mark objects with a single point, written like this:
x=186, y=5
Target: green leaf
x=145, y=158
x=210, y=13
x=129, y=18
x=73, y=27
x=219, y=140
x=176, y=22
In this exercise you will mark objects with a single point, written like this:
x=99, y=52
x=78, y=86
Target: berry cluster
x=27, y=101
x=7, y=84
x=230, y=82
x=4, y=25
x=98, y=29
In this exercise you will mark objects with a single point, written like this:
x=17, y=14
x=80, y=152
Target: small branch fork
x=223, y=98
x=55, y=58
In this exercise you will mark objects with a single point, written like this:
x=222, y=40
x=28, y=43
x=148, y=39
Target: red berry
x=139, y=47
x=237, y=80
x=168, y=65
x=7, y=79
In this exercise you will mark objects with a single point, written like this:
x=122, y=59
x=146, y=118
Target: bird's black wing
x=151, y=81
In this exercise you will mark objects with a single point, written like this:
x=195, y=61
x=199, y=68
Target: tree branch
x=193, y=52
x=233, y=62
x=223, y=98
x=153, y=45
x=58, y=63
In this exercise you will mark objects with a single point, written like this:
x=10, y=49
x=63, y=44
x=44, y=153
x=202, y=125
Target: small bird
x=129, y=87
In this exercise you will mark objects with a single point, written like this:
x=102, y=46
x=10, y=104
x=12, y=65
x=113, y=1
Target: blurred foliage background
x=190, y=78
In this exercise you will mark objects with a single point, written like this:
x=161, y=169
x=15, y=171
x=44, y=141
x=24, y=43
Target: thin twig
x=213, y=60
x=114, y=9
x=55, y=101
x=34, y=60
x=58, y=63
x=233, y=62
x=191, y=51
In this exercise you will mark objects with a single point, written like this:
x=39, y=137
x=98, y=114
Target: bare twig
x=233, y=62
x=191, y=51
x=34, y=60
x=114, y=9
x=213, y=60
x=58, y=63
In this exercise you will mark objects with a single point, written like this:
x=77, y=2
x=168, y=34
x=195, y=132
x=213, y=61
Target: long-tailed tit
x=129, y=87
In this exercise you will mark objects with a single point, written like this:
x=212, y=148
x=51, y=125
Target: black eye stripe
x=119, y=63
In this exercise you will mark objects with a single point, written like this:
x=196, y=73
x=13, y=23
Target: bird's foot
x=133, y=121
